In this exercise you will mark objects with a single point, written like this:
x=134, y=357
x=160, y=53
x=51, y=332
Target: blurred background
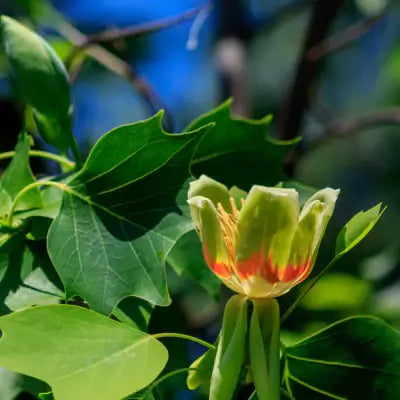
x=329, y=71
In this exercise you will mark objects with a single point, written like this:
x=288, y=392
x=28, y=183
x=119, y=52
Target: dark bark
x=297, y=102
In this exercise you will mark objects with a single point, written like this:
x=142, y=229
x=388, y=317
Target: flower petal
x=205, y=217
x=214, y=191
x=314, y=218
x=266, y=226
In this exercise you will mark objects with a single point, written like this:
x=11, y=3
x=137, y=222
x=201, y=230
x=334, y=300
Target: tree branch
x=107, y=59
x=297, y=101
x=110, y=35
x=340, y=129
x=343, y=39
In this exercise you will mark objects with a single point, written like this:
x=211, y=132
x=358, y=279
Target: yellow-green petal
x=205, y=217
x=214, y=191
x=314, y=218
x=266, y=226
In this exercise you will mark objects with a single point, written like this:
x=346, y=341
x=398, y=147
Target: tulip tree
x=79, y=249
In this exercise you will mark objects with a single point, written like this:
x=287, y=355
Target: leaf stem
x=170, y=375
x=308, y=288
x=183, y=336
x=42, y=154
x=27, y=189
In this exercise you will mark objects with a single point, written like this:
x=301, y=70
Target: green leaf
x=357, y=229
x=5, y=202
x=144, y=394
x=27, y=275
x=17, y=175
x=134, y=312
x=36, y=289
x=46, y=396
x=13, y=384
x=186, y=257
x=239, y=151
x=78, y=351
x=39, y=73
x=354, y=359
x=204, y=367
x=11, y=250
x=120, y=218
x=231, y=350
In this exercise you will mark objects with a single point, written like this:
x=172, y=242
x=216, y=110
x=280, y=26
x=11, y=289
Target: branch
x=343, y=39
x=340, y=129
x=141, y=29
x=297, y=101
x=108, y=60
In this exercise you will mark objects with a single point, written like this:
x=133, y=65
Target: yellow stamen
x=228, y=222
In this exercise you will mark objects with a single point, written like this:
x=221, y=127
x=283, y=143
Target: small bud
x=41, y=78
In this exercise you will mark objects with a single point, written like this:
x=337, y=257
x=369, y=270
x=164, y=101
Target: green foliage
x=18, y=175
x=119, y=217
x=357, y=229
x=356, y=359
x=100, y=235
x=78, y=351
x=42, y=79
x=239, y=151
x=202, y=370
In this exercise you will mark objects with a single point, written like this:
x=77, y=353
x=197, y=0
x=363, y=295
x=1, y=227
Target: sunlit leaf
x=78, y=351
x=357, y=229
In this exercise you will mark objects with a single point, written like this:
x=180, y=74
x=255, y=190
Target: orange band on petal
x=219, y=268
x=250, y=266
x=256, y=264
x=294, y=272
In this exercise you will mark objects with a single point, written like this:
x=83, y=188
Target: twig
x=142, y=29
x=118, y=66
x=108, y=60
x=340, y=129
x=343, y=39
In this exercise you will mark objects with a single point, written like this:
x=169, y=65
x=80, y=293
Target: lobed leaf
x=120, y=218
x=239, y=151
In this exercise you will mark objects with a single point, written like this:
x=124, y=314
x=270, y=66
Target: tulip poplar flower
x=260, y=244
